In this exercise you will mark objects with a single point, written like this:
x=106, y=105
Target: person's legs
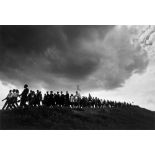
x=9, y=106
x=38, y=103
x=16, y=104
x=5, y=105
x=13, y=106
x=23, y=103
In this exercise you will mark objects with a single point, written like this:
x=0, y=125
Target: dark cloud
x=61, y=56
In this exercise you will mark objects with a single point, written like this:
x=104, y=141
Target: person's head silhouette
x=25, y=86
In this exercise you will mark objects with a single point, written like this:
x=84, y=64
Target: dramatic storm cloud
x=61, y=56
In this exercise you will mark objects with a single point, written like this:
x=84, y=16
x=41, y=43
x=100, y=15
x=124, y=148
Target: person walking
x=24, y=96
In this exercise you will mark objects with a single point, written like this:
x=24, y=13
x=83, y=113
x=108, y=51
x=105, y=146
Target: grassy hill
x=82, y=119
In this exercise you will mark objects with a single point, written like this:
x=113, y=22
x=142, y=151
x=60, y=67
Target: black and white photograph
x=77, y=77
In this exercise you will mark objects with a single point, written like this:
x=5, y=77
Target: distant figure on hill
x=24, y=96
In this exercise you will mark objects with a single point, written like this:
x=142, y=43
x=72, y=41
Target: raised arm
x=4, y=99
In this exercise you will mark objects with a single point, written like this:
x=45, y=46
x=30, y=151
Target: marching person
x=14, y=98
x=67, y=101
x=24, y=96
x=8, y=100
x=72, y=100
x=38, y=98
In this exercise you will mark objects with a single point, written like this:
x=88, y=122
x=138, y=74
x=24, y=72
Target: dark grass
x=43, y=118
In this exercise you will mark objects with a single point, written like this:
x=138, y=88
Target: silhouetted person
x=32, y=98
x=57, y=99
x=38, y=98
x=48, y=99
x=62, y=99
x=67, y=100
x=44, y=102
x=8, y=100
x=54, y=96
x=71, y=100
x=29, y=97
x=15, y=95
x=24, y=96
x=52, y=99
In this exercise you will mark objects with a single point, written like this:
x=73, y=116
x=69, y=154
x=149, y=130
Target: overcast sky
x=112, y=62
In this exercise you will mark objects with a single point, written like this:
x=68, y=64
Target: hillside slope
x=82, y=119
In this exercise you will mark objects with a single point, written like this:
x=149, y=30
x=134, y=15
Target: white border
x=77, y=142
x=91, y=12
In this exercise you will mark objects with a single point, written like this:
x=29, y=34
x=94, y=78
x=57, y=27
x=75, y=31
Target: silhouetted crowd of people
x=35, y=99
